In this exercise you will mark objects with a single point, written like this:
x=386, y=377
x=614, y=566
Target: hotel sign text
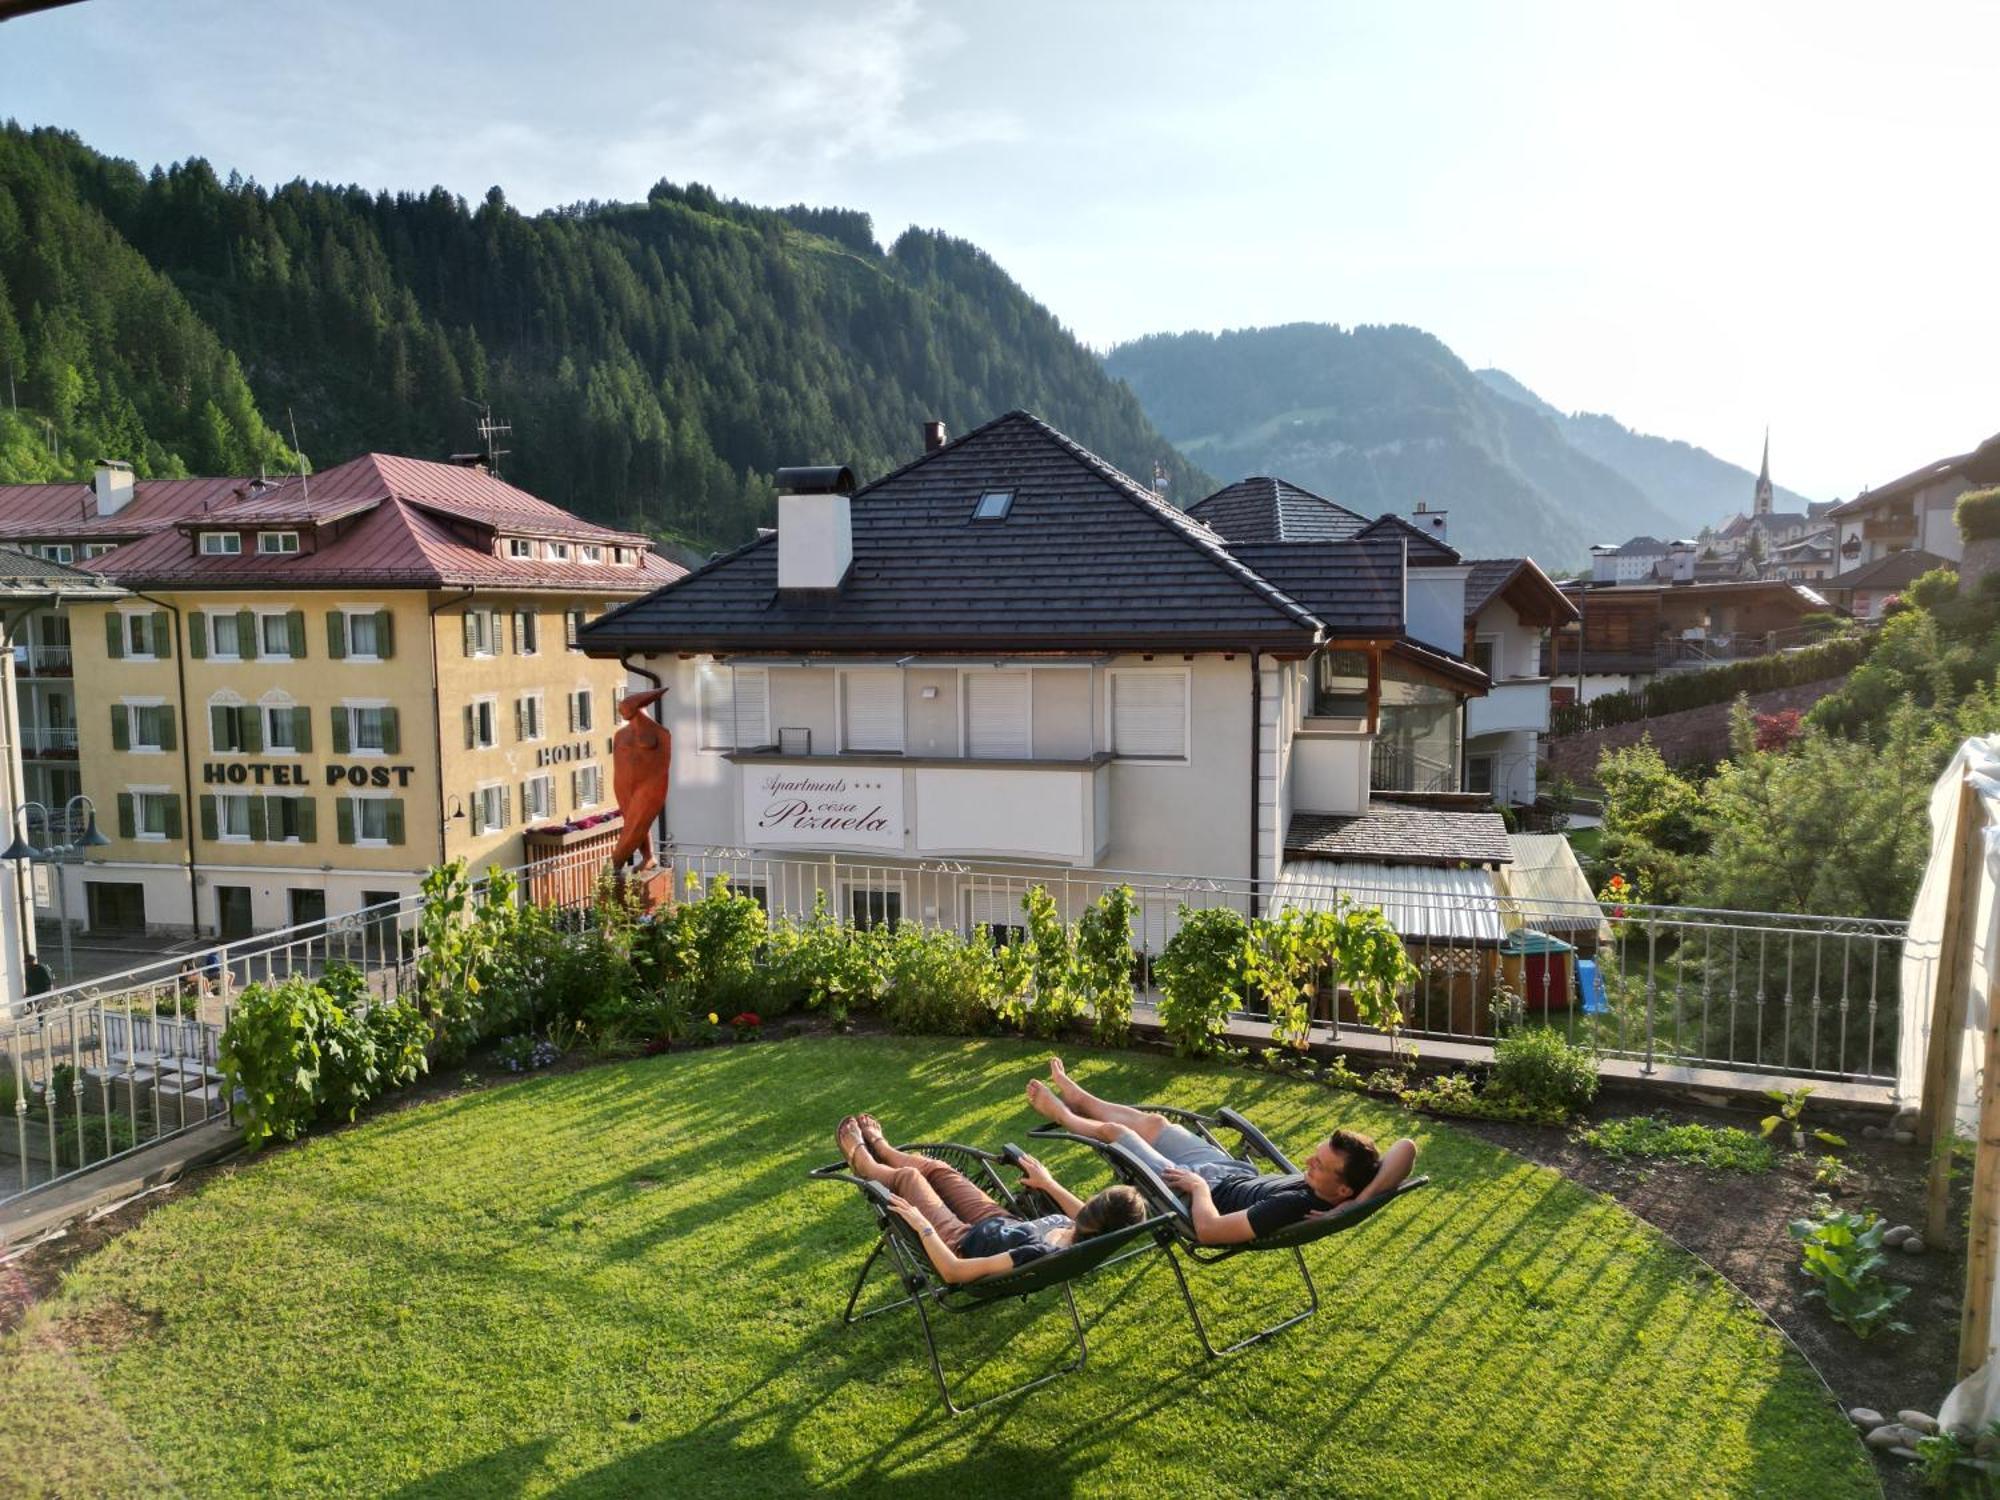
x=796, y=806
x=288, y=773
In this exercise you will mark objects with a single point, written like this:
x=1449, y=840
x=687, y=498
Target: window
x=528, y=717
x=142, y=726
x=225, y=636
x=480, y=715
x=156, y=815
x=281, y=727
x=735, y=706
x=625, y=556
x=870, y=907
x=572, y=628
x=221, y=543
x=360, y=634
x=141, y=636
x=520, y=546
x=580, y=714
x=1149, y=714
x=277, y=633
x=527, y=633
x=96, y=549
x=277, y=542
x=372, y=820
x=993, y=505
x=559, y=551
x=371, y=729
x=489, y=810
x=1479, y=774
x=872, y=710
x=232, y=815
x=586, y=786
x=538, y=798
x=591, y=554
x=234, y=728
x=289, y=820
x=1340, y=685
x=480, y=632
x=60, y=552
x=1483, y=651
x=996, y=715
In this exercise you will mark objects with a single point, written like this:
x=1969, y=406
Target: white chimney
x=815, y=527
x=1680, y=562
x=113, y=484
x=1430, y=522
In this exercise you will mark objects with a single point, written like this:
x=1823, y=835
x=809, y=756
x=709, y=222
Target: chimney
x=934, y=436
x=1430, y=522
x=1680, y=562
x=113, y=486
x=815, y=529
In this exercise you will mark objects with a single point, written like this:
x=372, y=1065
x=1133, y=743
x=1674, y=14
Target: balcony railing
x=1889, y=528
x=1394, y=769
x=58, y=740
x=33, y=659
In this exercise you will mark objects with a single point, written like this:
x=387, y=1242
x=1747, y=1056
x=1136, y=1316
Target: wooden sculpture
x=641, y=758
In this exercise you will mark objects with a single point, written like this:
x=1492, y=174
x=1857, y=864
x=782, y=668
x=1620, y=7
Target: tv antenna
x=490, y=432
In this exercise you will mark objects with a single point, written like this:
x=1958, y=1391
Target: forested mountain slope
x=658, y=361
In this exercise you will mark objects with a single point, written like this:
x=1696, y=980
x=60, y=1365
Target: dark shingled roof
x=1896, y=571
x=1261, y=509
x=1356, y=587
x=1087, y=559
x=22, y=572
x=1490, y=576
x=1424, y=548
x=1399, y=835
x=1980, y=466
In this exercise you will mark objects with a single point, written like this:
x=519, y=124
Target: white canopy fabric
x=1422, y=902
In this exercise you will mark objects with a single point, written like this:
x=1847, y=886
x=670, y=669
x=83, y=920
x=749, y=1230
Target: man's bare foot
x=847, y=1135
x=1045, y=1103
x=1058, y=1075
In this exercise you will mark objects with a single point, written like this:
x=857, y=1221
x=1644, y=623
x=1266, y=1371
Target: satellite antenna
x=305, y=489
x=489, y=431
x=1160, y=479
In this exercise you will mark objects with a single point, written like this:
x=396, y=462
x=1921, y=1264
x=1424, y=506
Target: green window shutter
x=295, y=631
x=197, y=635
x=395, y=820
x=247, y=644
x=385, y=634
x=343, y=809
x=506, y=806
x=173, y=820
x=570, y=700
x=339, y=729
x=219, y=725
x=127, y=822
x=302, y=730
x=250, y=727
x=467, y=619
x=121, y=727
x=308, y=819
x=114, y=633
x=259, y=819
x=520, y=718
x=208, y=822
x=469, y=735
x=169, y=735
x=392, y=735
x=336, y=634
x=162, y=631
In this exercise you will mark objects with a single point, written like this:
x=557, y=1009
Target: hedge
x=1683, y=690
x=1978, y=514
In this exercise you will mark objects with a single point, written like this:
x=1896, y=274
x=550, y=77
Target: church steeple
x=1762, y=506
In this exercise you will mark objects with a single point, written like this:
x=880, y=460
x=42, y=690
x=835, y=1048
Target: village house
x=319, y=687
x=1628, y=633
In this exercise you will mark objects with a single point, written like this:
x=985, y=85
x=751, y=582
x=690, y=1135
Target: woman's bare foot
x=847, y=1135
x=870, y=1128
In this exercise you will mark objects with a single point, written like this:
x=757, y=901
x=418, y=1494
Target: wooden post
x=1935, y=1122
x=1976, y=1320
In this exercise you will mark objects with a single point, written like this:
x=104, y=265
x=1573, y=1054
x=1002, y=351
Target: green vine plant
x=1200, y=975
x=1285, y=955
x=1791, y=1108
x=1103, y=960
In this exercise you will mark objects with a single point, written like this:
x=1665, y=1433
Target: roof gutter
x=1256, y=770
x=437, y=714
x=187, y=758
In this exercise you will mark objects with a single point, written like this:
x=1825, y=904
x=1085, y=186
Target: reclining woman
x=964, y=1232
x=1229, y=1200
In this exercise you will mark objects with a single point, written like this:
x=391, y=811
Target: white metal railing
x=38, y=739
x=32, y=657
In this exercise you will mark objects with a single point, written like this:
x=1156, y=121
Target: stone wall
x=1693, y=734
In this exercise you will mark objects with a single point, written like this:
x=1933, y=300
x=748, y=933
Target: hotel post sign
x=799, y=807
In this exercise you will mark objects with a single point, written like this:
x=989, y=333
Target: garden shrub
x=295, y=1056
x=827, y=964
x=1652, y=1138
x=1543, y=1069
x=940, y=982
x=1105, y=963
x=1458, y=1094
x=1843, y=1253
x=1978, y=514
x=1200, y=977
x=1053, y=999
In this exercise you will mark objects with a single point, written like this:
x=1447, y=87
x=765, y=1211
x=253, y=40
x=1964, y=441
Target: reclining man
x=1230, y=1200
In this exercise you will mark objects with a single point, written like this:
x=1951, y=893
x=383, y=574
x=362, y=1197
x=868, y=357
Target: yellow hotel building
x=317, y=688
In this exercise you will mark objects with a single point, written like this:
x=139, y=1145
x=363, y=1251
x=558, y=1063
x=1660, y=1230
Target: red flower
x=746, y=1018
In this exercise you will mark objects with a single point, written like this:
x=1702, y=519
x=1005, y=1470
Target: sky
x=1703, y=219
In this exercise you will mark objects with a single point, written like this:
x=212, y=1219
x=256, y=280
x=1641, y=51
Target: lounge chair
x=922, y=1286
x=1164, y=1201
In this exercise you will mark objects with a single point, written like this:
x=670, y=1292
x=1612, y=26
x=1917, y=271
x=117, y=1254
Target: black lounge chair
x=921, y=1284
x=1164, y=1201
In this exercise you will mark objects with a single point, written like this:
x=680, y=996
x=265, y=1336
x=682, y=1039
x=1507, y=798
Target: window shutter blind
x=395, y=817
x=471, y=730
x=336, y=634
x=197, y=635
x=344, y=817
x=127, y=816
x=121, y=727
x=467, y=618
x=874, y=710
x=250, y=727
x=173, y=814
x=163, y=643
x=169, y=740
x=520, y=718
x=220, y=725
x=1149, y=715
x=385, y=634
x=258, y=821
x=302, y=730
x=752, y=709
x=340, y=730
x=208, y=823
x=506, y=806
x=114, y=634
x=996, y=715
x=295, y=633
x=392, y=739
x=247, y=644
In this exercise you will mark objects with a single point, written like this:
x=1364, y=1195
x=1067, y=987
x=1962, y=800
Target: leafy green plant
x=1650, y=1137
x=1842, y=1252
x=1791, y=1108
x=939, y=982
x=706, y=945
x=401, y=1036
x=1978, y=514
x=1102, y=955
x=464, y=942
x=1055, y=997
x=827, y=964
x=1541, y=1068
x=1938, y=1454
x=1458, y=1094
x=1200, y=976
x=295, y=1056
x=1285, y=957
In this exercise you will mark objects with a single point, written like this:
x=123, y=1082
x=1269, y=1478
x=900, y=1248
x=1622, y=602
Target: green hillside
x=1378, y=419
x=657, y=361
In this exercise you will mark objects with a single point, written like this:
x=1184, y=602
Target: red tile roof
x=63, y=512
x=384, y=520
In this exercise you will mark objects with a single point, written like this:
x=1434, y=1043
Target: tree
x=1653, y=824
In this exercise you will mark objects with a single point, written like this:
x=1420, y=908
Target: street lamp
x=21, y=851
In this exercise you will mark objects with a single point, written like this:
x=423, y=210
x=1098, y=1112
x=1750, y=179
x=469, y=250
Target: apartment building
x=319, y=687
x=1008, y=652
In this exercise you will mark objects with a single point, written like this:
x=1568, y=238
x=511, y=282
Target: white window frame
x=544, y=805
x=534, y=629
x=215, y=652
x=558, y=551
x=221, y=540
x=222, y=802
x=489, y=646
x=710, y=730
x=1494, y=642
x=572, y=633
x=354, y=708
x=271, y=543
x=132, y=652
x=583, y=704
x=842, y=678
x=491, y=704
x=96, y=549
x=590, y=552
x=965, y=711
x=597, y=776
x=264, y=615
x=347, y=614
x=1492, y=764
x=62, y=552
x=140, y=795
x=480, y=793
x=520, y=546
x=361, y=800
x=231, y=701
x=1186, y=675
x=133, y=706
x=541, y=715
x=275, y=703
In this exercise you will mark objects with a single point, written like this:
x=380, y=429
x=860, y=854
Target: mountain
x=1690, y=484
x=1379, y=418
x=657, y=361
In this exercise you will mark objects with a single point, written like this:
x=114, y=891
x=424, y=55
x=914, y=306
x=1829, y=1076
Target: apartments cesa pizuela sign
x=287, y=773
x=787, y=805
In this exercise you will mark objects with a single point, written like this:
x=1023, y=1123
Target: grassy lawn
x=617, y=1282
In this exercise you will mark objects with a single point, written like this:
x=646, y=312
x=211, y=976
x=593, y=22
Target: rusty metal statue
x=641, y=757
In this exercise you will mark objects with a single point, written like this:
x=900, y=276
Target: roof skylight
x=993, y=505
